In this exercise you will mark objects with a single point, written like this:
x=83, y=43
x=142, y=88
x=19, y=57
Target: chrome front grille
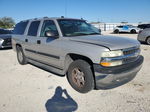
x=131, y=51
x=7, y=42
x=131, y=54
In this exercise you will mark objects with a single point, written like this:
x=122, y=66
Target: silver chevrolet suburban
x=74, y=48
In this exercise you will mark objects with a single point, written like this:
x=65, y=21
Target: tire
x=20, y=56
x=116, y=31
x=148, y=40
x=80, y=76
x=133, y=31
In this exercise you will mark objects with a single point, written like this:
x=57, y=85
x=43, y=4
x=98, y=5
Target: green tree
x=7, y=22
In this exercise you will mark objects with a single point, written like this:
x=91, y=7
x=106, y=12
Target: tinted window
x=49, y=25
x=71, y=27
x=2, y=31
x=143, y=26
x=33, y=28
x=125, y=27
x=20, y=28
x=120, y=26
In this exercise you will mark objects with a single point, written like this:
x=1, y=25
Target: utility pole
x=98, y=23
x=66, y=7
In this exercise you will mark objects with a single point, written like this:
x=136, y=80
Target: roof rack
x=45, y=17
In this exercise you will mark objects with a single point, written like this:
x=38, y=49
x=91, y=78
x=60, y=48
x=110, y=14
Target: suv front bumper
x=111, y=77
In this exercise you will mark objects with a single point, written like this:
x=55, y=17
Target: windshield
x=70, y=27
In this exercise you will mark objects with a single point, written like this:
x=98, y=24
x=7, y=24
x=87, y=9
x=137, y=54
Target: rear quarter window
x=120, y=26
x=20, y=28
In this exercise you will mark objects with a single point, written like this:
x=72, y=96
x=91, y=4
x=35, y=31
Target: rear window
x=20, y=28
x=33, y=28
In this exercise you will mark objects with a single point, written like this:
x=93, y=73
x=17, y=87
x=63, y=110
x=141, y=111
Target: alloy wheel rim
x=78, y=77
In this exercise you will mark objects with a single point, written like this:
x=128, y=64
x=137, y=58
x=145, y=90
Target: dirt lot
x=30, y=89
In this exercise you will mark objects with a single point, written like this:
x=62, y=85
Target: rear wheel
x=148, y=41
x=20, y=56
x=80, y=76
x=133, y=31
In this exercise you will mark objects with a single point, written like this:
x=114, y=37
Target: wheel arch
x=69, y=58
x=116, y=31
x=133, y=31
x=17, y=44
x=147, y=38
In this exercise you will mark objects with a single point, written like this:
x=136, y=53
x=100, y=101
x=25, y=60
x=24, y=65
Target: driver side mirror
x=50, y=34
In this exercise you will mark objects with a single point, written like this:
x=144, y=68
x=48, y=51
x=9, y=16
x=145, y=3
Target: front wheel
x=20, y=56
x=116, y=31
x=148, y=41
x=80, y=76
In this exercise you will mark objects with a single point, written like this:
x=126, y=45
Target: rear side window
x=33, y=28
x=20, y=28
x=120, y=26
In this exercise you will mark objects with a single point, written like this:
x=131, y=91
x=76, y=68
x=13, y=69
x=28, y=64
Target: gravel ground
x=30, y=89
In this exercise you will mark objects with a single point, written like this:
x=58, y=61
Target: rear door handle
x=26, y=40
x=38, y=41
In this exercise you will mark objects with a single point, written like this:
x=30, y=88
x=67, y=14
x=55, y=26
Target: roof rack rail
x=24, y=20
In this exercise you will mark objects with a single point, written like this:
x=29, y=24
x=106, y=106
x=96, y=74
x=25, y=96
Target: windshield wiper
x=84, y=33
x=94, y=33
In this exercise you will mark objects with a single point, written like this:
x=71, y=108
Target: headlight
x=1, y=40
x=112, y=53
x=109, y=58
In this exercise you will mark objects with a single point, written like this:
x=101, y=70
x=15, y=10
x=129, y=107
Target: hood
x=111, y=42
x=4, y=36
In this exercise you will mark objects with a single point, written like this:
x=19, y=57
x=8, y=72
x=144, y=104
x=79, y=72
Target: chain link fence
x=109, y=26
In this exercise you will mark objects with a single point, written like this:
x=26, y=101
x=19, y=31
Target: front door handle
x=38, y=41
x=26, y=40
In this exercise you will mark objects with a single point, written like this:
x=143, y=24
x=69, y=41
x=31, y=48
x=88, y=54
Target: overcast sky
x=91, y=10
